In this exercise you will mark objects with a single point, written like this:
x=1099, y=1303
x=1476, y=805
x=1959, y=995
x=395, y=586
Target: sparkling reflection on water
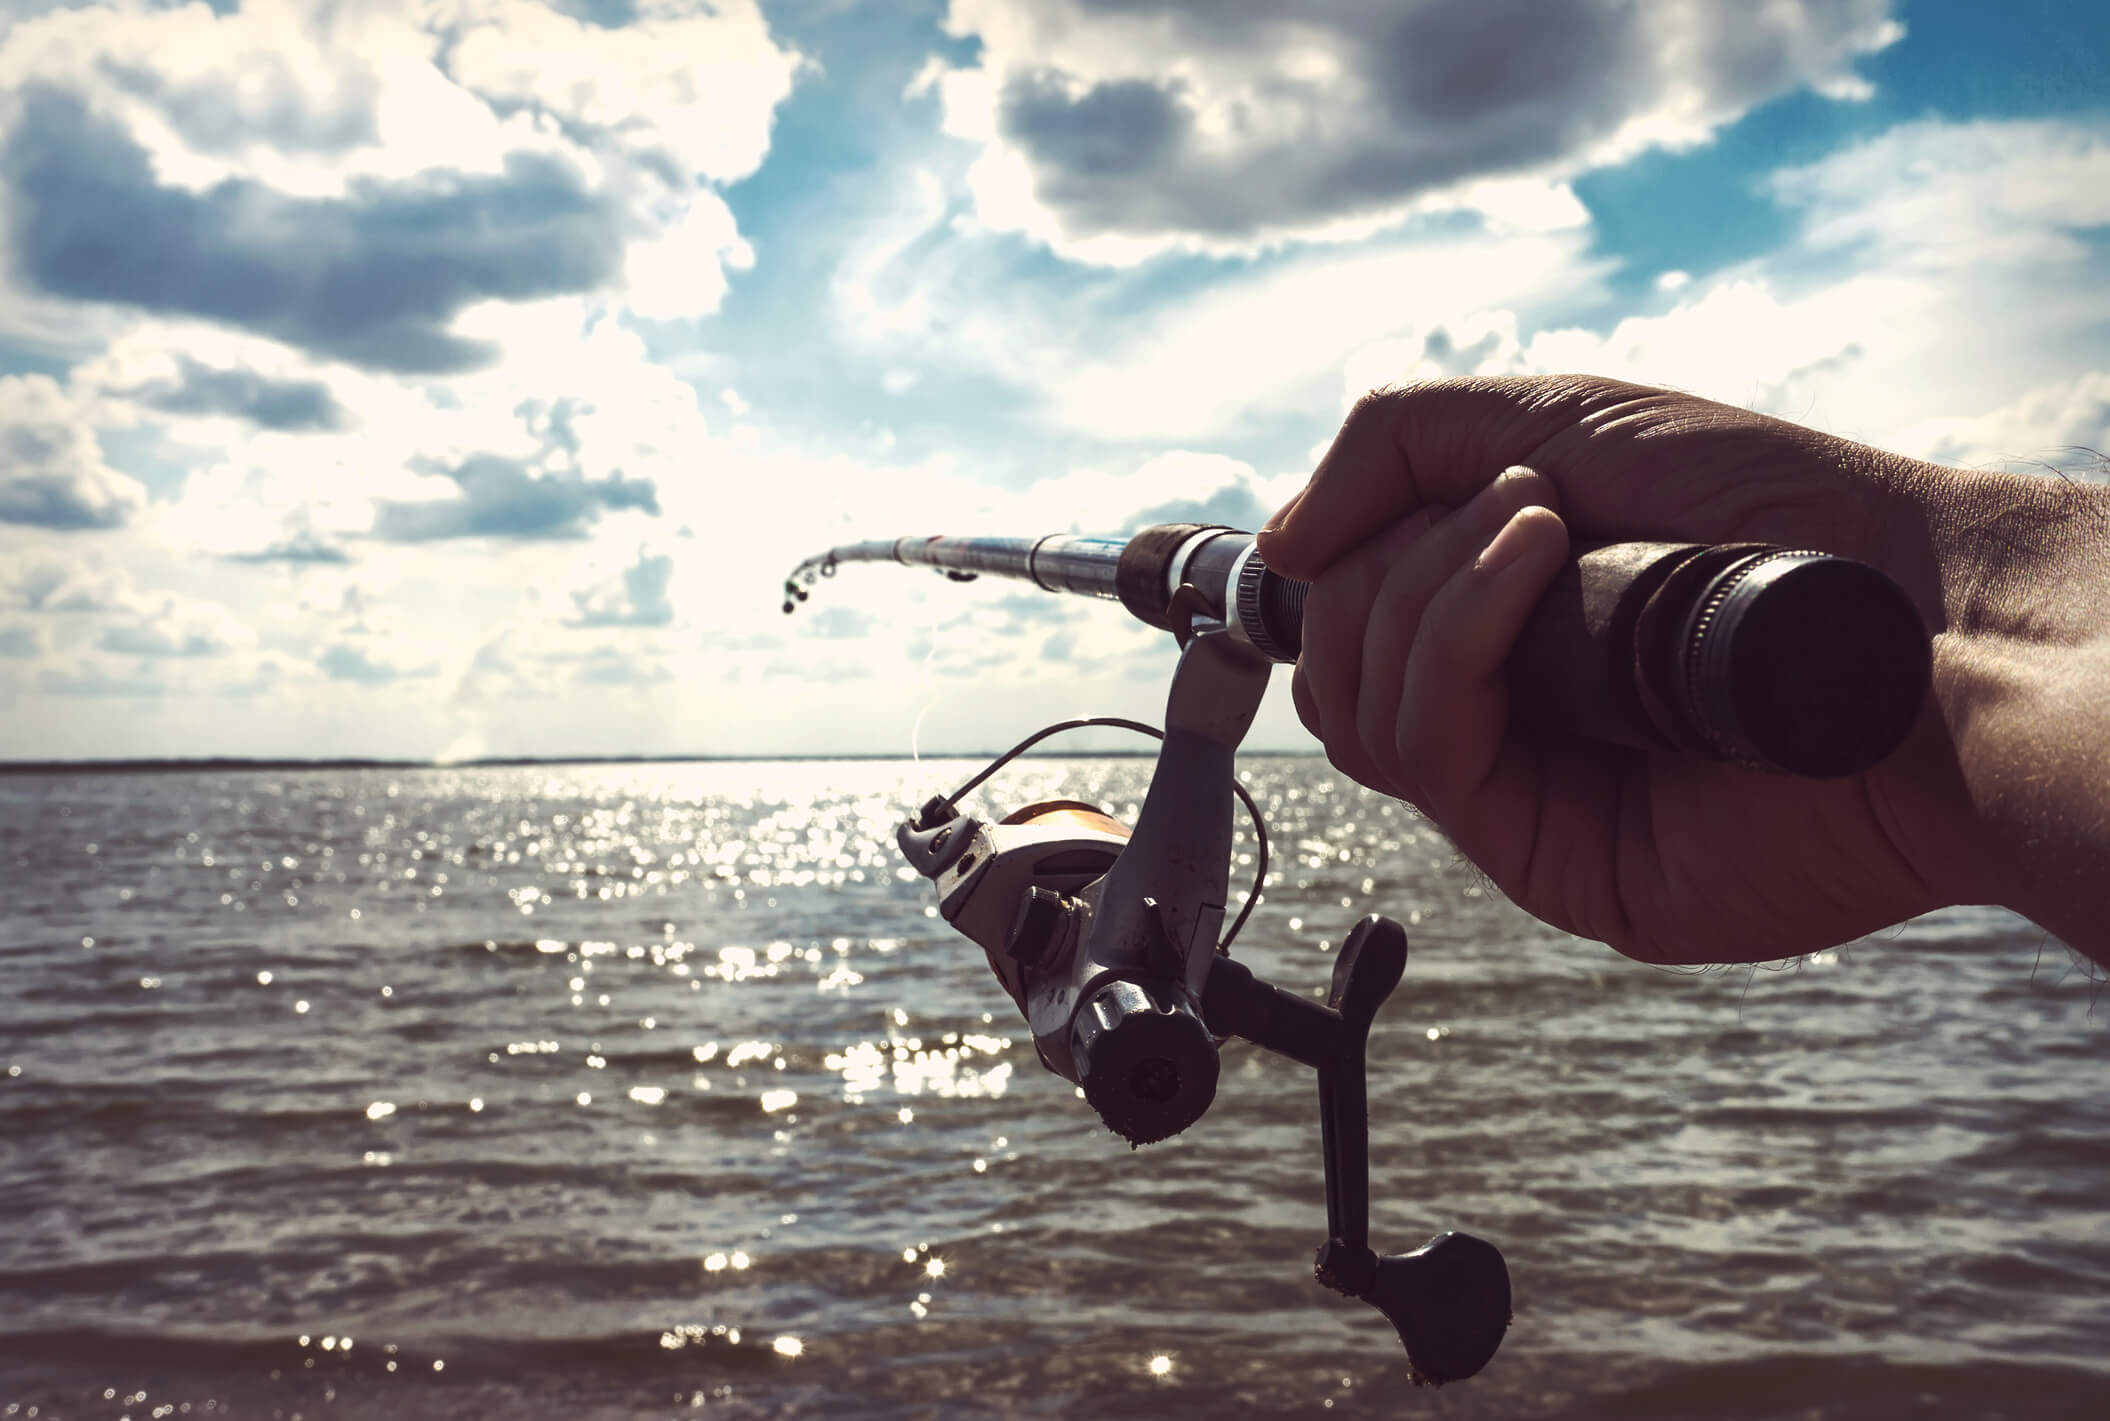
x=656, y=1090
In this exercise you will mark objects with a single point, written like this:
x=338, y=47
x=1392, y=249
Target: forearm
x=2023, y=678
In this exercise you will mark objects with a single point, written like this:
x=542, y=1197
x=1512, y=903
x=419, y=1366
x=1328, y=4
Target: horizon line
x=152, y=764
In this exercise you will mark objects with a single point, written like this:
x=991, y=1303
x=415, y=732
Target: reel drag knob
x=1147, y=1063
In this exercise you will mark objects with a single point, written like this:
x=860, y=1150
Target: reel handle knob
x=1449, y=1302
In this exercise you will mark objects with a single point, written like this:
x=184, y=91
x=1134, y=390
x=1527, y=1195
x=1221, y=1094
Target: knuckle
x=1390, y=402
x=1441, y=640
x=1399, y=539
x=1407, y=745
x=1340, y=757
x=1346, y=754
x=1322, y=596
x=1372, y=730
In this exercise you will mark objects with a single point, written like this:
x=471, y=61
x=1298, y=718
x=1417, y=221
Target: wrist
x=2015, y=570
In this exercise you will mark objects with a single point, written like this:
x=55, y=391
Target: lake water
x=659, y=1090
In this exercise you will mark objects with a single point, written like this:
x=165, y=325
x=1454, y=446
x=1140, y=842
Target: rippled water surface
x=661, y=1091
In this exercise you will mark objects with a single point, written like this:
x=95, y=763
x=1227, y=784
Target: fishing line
x=915, y=732
x=1252, y=898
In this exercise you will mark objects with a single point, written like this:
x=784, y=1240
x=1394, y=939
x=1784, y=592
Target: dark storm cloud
x=374, y=278
x=1428, y=95
x=501, y=498
x=1109, y=130
x=1565, y=70
x=273, y=404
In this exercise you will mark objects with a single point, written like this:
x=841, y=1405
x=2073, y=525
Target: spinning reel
x=1787, y=660
x=1108, y=942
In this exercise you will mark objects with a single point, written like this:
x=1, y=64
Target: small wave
x=695, y=1349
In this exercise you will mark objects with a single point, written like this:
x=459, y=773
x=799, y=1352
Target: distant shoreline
x=229, y=763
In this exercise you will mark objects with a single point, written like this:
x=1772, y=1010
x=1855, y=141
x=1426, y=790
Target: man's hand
x=1426, y=558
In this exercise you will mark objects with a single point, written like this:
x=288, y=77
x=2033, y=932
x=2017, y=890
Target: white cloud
x=2063, y=426
x=1113, y=132
x=1274, y=342
x=1264, y=344
x=52, y=473
x=1177, y=487
x=638, y=596
x=1942, y=273
x=692, y=80
x=573, y=422
x=680, y=271
x=94, y=678
x=1942, y=199
x=303, y=96
x=1112, y=357
x=122, y=617
x=65, y=585
x=364, y=666
x=169, y=624
x=326, y=162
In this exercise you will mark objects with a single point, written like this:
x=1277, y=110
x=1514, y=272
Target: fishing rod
x=1782, y=659
x=1110, y=941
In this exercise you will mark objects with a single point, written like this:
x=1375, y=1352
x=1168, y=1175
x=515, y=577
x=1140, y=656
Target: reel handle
x=1110, y=946
x=1448, y=1300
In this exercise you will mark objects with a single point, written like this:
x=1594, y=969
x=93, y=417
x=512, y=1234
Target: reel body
x=1108, y=943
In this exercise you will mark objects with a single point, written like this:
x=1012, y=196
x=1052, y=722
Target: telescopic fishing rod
x=1111, y=943
x=1783, y=659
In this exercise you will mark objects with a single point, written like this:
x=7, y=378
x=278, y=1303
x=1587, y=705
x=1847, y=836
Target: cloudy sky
x=461, y=377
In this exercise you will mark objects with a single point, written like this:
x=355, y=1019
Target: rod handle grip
x=1784, y=659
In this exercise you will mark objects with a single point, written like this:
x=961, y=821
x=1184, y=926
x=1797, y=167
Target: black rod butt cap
x=1810, y=664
